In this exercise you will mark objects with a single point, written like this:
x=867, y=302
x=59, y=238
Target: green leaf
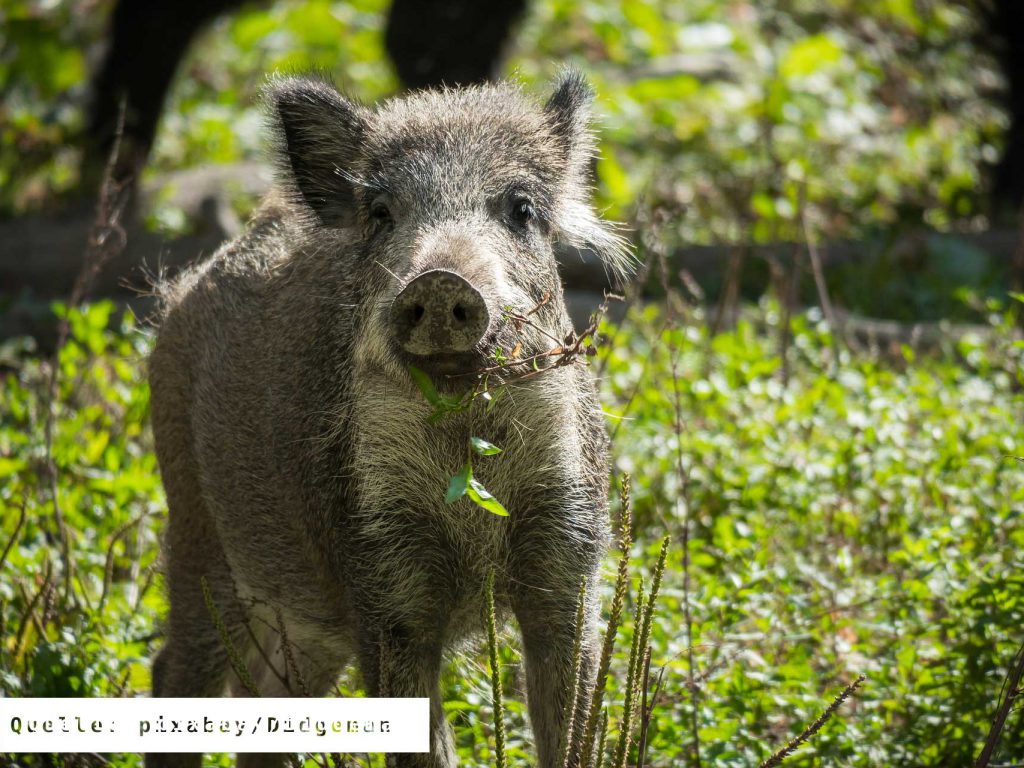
x=482, y=497
x=458, y=484
x=426, y=386
x=483, y=447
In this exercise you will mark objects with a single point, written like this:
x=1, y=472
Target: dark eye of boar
x=380, y=214
x=523, y=212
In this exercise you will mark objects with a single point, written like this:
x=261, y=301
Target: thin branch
x=647, y=709
x=108, y=567
x=289, y=656
x=1012, y=689
x=730, y=292
x=822, y=286
x=266, y=659
x=683, y=475
x=29, y=615
x=14, y=534
x=106, y=239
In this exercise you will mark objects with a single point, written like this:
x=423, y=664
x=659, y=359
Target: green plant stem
x=237, y=664
x=629, y=705
x=569, y=713
x=612, y=628
x=601, y=739
x=496, y=693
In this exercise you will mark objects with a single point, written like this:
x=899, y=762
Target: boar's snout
x=439, y=313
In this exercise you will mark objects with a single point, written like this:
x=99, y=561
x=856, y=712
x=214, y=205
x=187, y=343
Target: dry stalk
x=813, y=728
x=659, y=570
x=28, y=615
x=643, y=659
x=574, y=348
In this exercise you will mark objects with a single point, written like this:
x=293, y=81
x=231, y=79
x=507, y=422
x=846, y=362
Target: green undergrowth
x=857, y=511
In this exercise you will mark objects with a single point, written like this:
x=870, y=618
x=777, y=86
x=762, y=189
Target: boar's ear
x=568, y=114
x=318, y=137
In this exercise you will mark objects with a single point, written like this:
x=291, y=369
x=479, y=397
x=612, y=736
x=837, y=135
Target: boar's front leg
x=398, y=660
x=548, y=565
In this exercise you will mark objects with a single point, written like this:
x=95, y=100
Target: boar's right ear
x=318, y=137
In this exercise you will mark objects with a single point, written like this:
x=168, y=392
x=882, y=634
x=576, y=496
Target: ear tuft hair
x=583, y=229
x=318, y=134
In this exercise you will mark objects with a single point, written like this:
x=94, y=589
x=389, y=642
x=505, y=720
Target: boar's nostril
x=438, y=313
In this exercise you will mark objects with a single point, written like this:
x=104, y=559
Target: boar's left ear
x=319, y=133
x=568, y=114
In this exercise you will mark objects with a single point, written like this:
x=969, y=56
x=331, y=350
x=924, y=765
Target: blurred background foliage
x=735, y=113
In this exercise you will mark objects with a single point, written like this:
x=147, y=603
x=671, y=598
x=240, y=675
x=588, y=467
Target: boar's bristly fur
x=304, y=481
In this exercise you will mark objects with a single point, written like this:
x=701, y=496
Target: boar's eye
x=380, y=214
x=523, y=212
